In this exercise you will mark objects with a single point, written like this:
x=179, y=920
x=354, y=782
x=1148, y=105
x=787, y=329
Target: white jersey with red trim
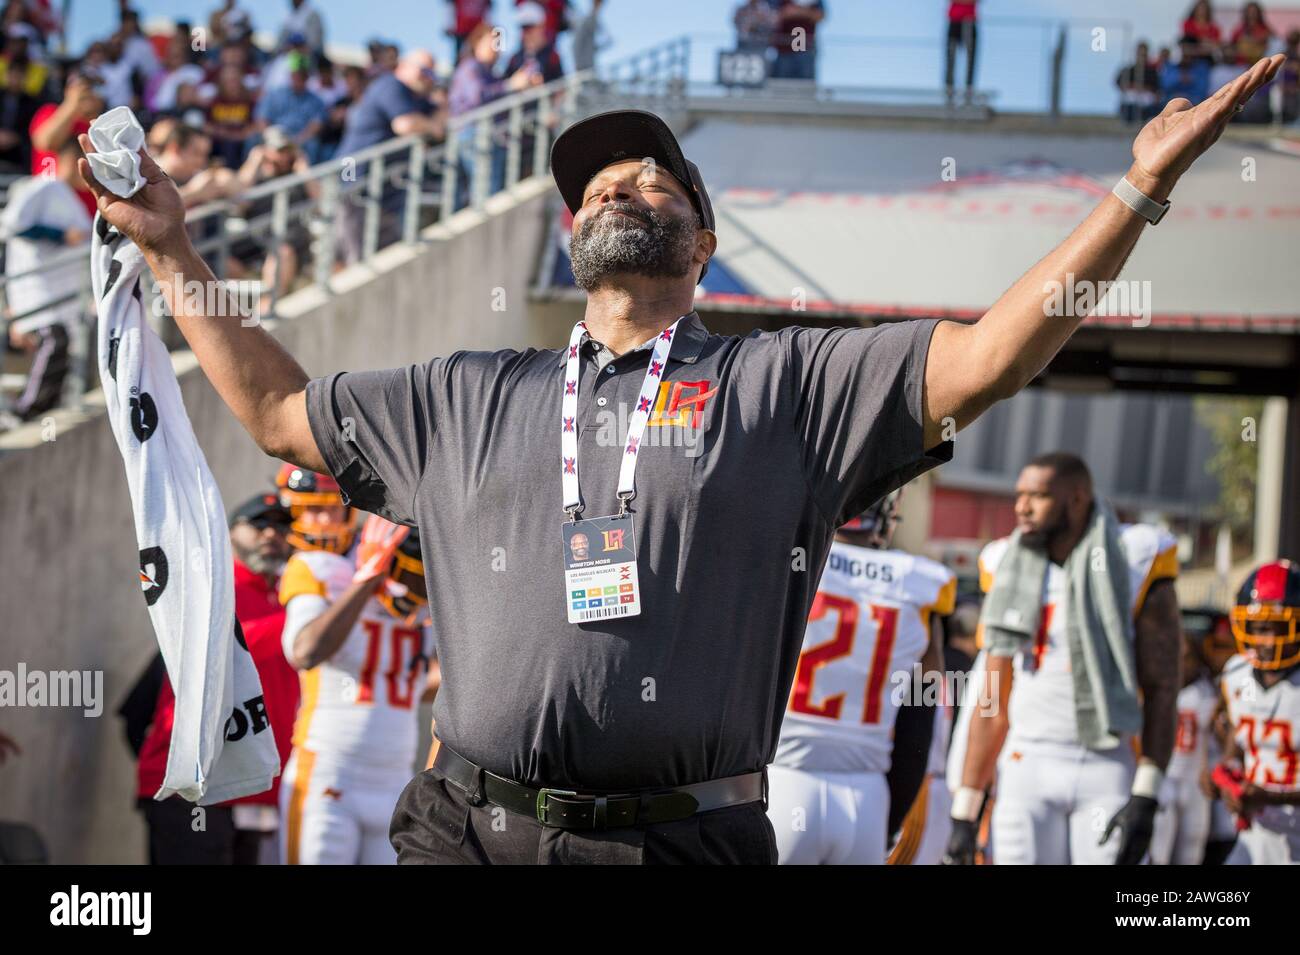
x=870, y=622
x=1196, y=705
x=1266, y=726
x=1042, y=687
x=359, y=706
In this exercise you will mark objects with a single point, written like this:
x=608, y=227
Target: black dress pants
x=435, y=824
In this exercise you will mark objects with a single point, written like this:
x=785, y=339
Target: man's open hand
x=1170, y=143
x=154, y=218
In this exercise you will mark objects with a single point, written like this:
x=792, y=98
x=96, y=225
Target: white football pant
x=1054, y=801
x=1273, y=841
x=828, y=818
x=1182, y=824
x=336, y=815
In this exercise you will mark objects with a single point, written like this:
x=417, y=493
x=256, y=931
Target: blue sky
x=865, y=42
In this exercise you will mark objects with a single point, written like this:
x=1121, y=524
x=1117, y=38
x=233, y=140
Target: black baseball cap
x=266, y=504
x=588, y=146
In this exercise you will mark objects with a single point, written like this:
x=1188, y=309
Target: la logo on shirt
x=681, y=403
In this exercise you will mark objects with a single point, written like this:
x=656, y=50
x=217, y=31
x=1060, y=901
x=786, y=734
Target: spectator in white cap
x=530, y=13
x=556, y=13
x=536, y=53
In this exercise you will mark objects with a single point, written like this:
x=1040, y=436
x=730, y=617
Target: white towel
x=118, y=138
x=222, y=746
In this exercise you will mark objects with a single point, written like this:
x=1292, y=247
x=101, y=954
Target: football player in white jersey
x=1060, y=801
x=1213, y=627
x=847, y=724
x=1261, y=690
x=358, y=633
x=1183, y=820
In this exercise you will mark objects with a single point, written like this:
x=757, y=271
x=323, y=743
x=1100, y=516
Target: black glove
x=962, y=843
x=1134, y=822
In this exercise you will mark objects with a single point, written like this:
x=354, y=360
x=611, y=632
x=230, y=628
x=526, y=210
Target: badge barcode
x=619, y=610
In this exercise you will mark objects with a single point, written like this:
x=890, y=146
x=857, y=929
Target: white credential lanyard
x=635, y=429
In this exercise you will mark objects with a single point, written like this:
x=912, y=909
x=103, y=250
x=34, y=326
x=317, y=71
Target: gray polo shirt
x=757, y=449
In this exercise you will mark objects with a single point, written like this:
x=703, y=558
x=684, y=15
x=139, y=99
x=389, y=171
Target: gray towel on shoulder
x=1099, y=626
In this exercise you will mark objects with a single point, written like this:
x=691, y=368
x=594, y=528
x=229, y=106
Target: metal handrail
x=363, y=181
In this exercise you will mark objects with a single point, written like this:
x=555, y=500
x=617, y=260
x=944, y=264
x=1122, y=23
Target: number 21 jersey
x=870, y=621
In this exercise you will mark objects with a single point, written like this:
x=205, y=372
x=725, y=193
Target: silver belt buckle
x=545, y=793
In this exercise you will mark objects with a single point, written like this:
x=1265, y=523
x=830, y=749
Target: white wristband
x=1140, y=202
x=966, y=803
x=1147, y=780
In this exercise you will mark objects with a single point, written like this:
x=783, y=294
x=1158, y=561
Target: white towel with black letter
x=222, y=746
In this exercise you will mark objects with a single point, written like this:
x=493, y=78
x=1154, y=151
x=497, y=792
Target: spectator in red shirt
x=1253, y=37
x=244, y=831
x=54, y=124
x=794, y=39
x=962, y=31
x=1201, y=28
x=465, y=16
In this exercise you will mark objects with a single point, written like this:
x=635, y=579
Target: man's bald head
x=415, y=71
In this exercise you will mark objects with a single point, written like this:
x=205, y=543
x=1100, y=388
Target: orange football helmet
x=310, y=497
x=1265, y=616
x=405, y=592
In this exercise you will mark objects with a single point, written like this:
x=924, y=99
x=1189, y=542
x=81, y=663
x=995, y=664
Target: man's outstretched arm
x=971, y=367
x=257, y=379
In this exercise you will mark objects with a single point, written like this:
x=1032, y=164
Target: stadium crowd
x=225, y=110
x=1207, y=58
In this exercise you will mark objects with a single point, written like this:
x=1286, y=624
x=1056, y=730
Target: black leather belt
x=569, y=809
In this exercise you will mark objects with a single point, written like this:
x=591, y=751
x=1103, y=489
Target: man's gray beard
x=263, y=566
x=609, y=245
